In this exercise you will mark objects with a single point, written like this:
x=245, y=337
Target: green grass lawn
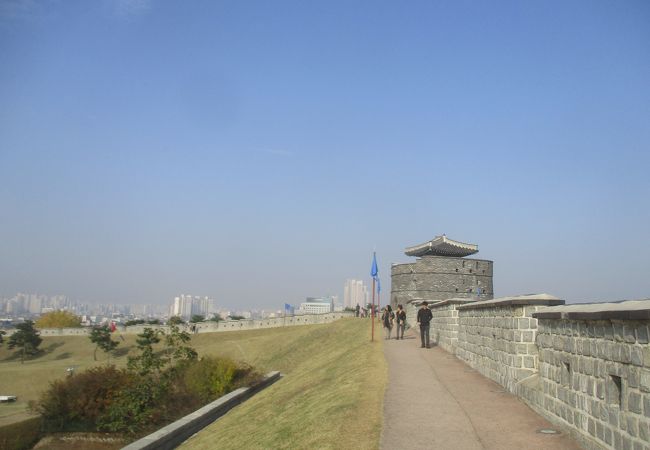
x=330, y=397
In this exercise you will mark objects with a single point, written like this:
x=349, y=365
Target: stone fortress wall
x=585, y=368
x=215, y=327
x=439, y=278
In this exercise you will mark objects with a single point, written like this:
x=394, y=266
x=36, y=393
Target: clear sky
x=258, y=152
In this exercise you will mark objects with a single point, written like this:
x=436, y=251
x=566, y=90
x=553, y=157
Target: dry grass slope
x=330, y=397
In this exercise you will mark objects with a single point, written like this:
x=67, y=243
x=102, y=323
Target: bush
x=136, y=405
x=77, y=403
x=210, y=378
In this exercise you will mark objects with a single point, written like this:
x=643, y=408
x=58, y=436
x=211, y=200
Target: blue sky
x=258, y=152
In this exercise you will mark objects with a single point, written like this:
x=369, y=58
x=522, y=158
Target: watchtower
x=440, y=272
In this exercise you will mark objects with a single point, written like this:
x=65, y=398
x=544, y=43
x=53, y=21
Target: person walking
x=401, y=321
x=387, y=319
x=424, y=319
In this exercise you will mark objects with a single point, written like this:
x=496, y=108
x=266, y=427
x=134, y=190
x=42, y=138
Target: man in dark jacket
x=424, y=318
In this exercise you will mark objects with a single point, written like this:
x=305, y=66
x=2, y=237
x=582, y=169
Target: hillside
x=330, y=395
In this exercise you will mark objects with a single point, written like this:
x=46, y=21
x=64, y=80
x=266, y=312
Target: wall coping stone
x=623, y=310
x=172, y=435
x=530, y=299
x=452, y=301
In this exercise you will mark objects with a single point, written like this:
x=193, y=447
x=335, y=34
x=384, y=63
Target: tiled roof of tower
x=442, y=246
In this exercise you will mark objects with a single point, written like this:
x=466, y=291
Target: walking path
x=434, y=401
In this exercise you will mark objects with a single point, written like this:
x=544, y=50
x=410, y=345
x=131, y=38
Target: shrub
x=210, y=377
x=79, y=401
x=135, y=406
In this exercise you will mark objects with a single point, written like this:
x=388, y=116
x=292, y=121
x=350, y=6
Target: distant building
x=185, y=306
x=317, y=305
x=314, y=308
x=354, y=293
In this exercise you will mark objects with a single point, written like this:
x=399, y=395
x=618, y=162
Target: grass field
x=330, y=397
x=28, y=380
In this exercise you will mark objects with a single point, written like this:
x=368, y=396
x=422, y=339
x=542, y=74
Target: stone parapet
x=444, y=325
x=594, y=371
x=211, y=327
x=497, y=337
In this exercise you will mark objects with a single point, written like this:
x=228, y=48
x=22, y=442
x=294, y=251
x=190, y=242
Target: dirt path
x=434, y=401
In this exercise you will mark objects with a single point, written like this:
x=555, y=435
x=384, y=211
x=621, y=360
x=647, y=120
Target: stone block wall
x=214, y=327
x=585, y=368
x=594, y=371
x=497, y=337
x=445, y=323
x=441, y=278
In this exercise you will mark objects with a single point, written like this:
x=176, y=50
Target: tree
x=153, y=322
x=177, y=348
x=26, y=338
x=237, y=317
x=58, y=319
x=2, y=333
x=175, y=320
x=129, y=323
x=216, y=318
x=197, y=318
x=101, y=337
x=147, y=361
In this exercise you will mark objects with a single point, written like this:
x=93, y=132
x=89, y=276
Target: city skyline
x=258, y=153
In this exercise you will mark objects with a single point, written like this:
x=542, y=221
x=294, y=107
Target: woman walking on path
x=387, y=319
x=401, y=321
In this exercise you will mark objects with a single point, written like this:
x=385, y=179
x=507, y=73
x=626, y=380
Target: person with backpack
x=401, y=321
x=424, y=319
x=387, y=319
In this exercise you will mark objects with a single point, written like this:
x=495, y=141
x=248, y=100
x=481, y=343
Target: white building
x=354, y=293
x=186, y=306
x=314, y=308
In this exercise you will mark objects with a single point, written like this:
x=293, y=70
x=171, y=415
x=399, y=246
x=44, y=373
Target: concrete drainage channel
x=172, y=435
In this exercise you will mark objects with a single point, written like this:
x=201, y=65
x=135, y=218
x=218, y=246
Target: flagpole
x=372, y=314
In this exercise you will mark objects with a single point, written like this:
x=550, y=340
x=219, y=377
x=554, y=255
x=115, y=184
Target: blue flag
x=378, y=285
x=373, y=270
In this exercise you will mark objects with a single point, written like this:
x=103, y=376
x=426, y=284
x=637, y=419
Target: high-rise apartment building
x=354, y=293
x=186, y=306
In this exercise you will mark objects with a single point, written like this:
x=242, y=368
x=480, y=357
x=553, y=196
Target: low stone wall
x=594, y=371
x=585, y=368
x=213, y=327
x=444, y=324
x=497, y=337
